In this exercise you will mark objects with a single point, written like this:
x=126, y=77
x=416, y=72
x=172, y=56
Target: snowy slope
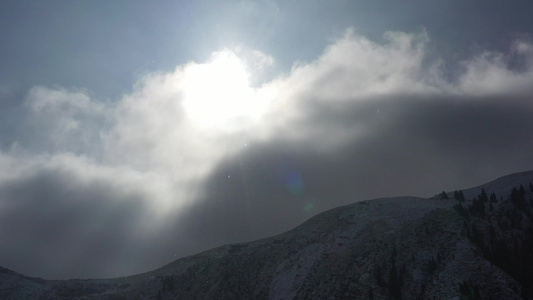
x=501, y=186
x=384, y=248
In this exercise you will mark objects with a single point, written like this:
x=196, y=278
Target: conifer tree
x=458, y=195
x=493, y=198
x=483, y=196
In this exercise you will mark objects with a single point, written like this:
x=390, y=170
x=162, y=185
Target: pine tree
x=493, y=198
x=459, y=196
x=517, y=197
x=483, y=196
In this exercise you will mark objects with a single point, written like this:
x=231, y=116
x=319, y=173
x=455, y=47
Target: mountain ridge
x=401, y=247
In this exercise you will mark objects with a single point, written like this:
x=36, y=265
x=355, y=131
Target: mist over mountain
x=463, y=244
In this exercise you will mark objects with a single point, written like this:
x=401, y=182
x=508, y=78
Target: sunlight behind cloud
x=180, y=124
x=217, y=95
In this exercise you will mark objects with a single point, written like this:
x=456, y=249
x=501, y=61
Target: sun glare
x=218, y=94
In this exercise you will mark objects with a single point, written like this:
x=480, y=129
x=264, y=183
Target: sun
x=217, y=94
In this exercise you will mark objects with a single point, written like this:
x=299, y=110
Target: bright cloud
x=491, y=73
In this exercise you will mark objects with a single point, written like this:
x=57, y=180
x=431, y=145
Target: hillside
x=400, y=248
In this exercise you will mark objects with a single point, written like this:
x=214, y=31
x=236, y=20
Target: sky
x=133, y=133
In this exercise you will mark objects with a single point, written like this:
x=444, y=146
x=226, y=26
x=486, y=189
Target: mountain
x=470, y=244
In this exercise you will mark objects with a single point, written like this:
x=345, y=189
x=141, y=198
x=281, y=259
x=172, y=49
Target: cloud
x=59, y=211
x=362, y=121
x=105, y=189
x=351, y=70
x=491, y=73
x=58, y=120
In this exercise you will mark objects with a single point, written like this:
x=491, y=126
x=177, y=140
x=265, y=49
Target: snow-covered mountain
x=406, y=247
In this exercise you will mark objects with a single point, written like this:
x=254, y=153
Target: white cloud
x=492, y=74
x=351, y=70
x=354, y=66
x=66, y=120
x=156, y=130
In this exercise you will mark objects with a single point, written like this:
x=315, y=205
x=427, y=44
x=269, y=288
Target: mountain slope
x=405, y=247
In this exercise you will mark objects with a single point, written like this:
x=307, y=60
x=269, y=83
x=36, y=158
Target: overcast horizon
x=132, y=134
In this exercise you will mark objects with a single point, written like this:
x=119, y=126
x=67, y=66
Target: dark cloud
x=51, y=223
x=410, y=146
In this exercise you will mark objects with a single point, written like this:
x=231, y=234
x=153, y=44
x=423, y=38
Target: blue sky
x=134, y=133
x=72, y=43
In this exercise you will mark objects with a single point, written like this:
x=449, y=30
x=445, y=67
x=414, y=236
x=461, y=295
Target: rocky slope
x=411, y=248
